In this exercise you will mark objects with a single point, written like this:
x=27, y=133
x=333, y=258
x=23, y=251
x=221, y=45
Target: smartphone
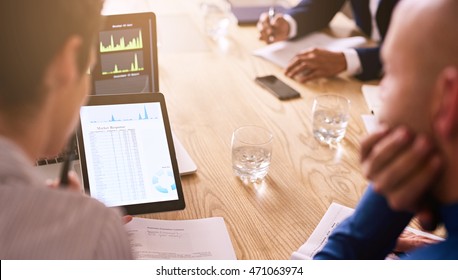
x=278, y=88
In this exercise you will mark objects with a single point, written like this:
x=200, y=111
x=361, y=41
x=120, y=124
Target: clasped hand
x=403, y=167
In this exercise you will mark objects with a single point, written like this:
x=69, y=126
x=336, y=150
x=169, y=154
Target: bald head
x=429, y=29
x=421, y=43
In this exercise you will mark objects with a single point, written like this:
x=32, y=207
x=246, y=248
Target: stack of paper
x=281, y=53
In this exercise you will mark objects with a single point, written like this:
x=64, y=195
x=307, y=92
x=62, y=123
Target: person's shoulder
x=87, y=205
x=67, y=225
x=65, y=204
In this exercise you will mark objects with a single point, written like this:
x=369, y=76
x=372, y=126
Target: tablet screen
x=127, y=154
x=127, y=55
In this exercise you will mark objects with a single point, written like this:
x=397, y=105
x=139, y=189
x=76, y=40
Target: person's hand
x=126, y=219
x=401, y=166
x=409, y=241
x=273, y=30
x=315, y=63
x=74, y=183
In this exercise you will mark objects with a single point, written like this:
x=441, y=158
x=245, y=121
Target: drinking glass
x=330, y=118
x=216, y=18
x=251, y=153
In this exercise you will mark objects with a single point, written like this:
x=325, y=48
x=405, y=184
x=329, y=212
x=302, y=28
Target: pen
x=69, y=155
x=271, y=14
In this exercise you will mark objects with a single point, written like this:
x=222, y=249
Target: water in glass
x=250, y=163
x=329, y=126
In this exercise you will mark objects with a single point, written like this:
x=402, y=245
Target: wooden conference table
x=210, y=91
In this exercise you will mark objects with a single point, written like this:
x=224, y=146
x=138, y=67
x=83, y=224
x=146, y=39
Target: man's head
x=420, y=53
x=46, y=50
x=420, y=86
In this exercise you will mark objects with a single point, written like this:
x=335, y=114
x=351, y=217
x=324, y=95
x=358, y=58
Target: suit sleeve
x=313, y=15
x=370, y=233
x=370, y=63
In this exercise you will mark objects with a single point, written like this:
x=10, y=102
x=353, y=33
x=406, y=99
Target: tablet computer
x=126, y=55
x=127, y=153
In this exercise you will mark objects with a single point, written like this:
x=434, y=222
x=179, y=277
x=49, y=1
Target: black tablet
x=126, y=55
x=127, y=154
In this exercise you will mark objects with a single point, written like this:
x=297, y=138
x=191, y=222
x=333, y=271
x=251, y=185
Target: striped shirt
x=37, y=222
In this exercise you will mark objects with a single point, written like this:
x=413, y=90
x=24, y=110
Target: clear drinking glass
x=251, y=152
x=216, y=18
x=330, y=118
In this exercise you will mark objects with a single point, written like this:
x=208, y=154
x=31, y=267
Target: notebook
x=127, y=63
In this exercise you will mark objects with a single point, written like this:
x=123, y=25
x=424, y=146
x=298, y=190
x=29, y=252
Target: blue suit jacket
x=313, y=15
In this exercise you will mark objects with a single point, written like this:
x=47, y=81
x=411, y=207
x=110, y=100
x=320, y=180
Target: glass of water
x=330, y=118
x=216, y=18
x=251, y=153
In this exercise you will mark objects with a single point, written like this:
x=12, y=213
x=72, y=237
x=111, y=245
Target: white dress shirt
x=351, y=56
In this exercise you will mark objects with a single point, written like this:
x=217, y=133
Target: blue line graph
x=128, y=115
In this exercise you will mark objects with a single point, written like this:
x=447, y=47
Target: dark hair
x=32, y=32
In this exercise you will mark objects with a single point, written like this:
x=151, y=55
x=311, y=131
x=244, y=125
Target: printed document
x=202, y=239
x=281, y=53
x=332, y=218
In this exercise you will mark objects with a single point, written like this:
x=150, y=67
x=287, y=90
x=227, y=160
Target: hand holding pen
x=69, y=156
x=272, y=27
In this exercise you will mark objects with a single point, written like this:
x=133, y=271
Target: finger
x=412, y=241
x=264, y=34
x=404, y=244
x=296, y=61
x=369, y=141
x=264, y=27
x=386, y=150
x=126, y=219
x=309, y=75
x=53, y=184
x=74, y=182
x=271, y=38
x=410, y=196
x=302, y=70
x=427, y=220
x=263, y=21
x=277, y=28
x=404, y=169
x=301, y=65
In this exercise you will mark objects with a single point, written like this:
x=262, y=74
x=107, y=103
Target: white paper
x=370, y=122
x=281, y=53
x=335, y=215
x=372, y=97
x=202, y=239
x=332, y=218
x=250, y=3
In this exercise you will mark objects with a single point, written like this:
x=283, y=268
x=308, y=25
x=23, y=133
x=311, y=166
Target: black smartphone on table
x=278, y=88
